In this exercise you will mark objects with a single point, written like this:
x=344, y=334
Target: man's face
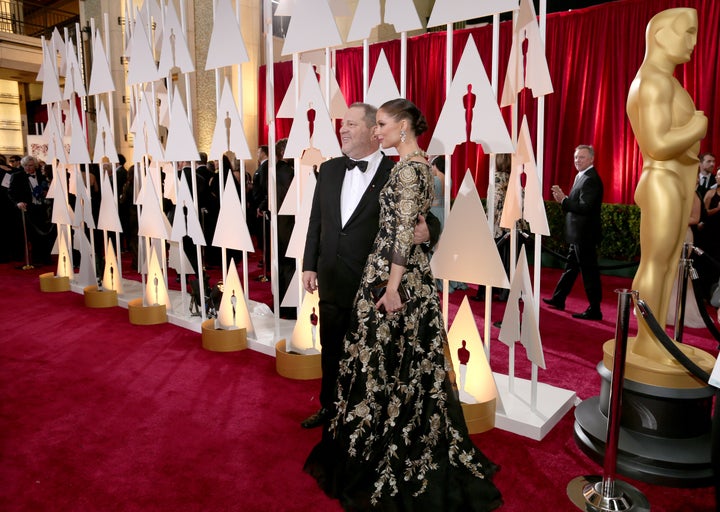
x=15, y=162
x=356, y=137
x=30, y=167
x=583, y=160
x=708, y=164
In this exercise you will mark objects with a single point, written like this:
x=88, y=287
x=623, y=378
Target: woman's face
x=388, y=129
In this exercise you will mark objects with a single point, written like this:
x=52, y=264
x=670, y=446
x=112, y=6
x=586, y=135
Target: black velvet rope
x=706, y=256
x=669, y=344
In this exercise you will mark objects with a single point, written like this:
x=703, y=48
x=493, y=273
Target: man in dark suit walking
x=582, y=232
x=344, y=221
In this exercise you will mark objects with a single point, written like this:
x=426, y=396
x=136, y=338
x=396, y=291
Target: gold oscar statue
x=668, y=130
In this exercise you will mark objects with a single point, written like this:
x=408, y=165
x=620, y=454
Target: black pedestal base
x=650, y=449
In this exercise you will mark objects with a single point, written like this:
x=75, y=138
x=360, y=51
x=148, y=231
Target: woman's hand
x=390, y=302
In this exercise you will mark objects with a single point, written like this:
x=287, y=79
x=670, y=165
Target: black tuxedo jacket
x=582, y=209
x=338, y=254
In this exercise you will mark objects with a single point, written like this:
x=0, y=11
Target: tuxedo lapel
x=372, y=192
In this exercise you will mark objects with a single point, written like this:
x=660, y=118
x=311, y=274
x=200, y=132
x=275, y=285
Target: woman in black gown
x=398, y=440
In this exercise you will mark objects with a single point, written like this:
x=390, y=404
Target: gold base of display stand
x=479, y=417
x=51, y=283
x=222, y=340
x=296, y=366
x=95, y=298
x=146, y=315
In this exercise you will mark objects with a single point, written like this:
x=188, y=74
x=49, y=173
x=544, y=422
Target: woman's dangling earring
x=402, y=136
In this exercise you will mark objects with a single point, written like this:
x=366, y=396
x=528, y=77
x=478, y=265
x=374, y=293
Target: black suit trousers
x=334, y=323
x=581, y=259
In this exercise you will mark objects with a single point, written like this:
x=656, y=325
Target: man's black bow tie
x=351, y=164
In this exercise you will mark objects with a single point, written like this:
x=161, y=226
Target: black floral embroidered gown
x=398, y=440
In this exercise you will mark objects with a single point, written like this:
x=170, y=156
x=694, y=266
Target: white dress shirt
x=355, y=184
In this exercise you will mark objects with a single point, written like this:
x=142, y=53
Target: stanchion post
x=263, y=277
x=605, y=494
x=682, y=286
x=27, y=265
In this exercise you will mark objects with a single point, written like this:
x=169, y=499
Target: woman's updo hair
x=405, y=109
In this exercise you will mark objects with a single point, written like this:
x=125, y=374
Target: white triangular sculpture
x=337, y=104
x=305, y=337
x=534, y=207
x=104, y=139
x=101, y=80
x=108, y=219
x=142, y=63
x=53, y=136
x=79, y=153
x=57, y=46
x=474, y=378
x=403, y=15
x=73, y=80
x=450, y=11
x=367, y=16
x=146, y=139
x=175, y=52
x=382, y=86
x=290, y=299
x=526, y=329
x=311, y=27
x=181, y=144
x=61, y=211
x=323, y=136
x=83, y=206
x=227, y=46
x=152, y=222
x=288, y=106
x=156, y=293
x=229, y=134
x=466, y=251
x=65, y=262
x=530, y=70
x=296, y=244
x=185, y=220
x=86, y=273
x=233, y=311
x=231, y=231
x=178, y=260
x=51, y=87
x=112, y=280
x=289, y=205
x=470, y=91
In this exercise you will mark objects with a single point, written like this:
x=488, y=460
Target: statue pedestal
x=222, y=340
x=146, y=315
x=296, y=366
x=665, y=431
x=95, y=298
x=49, y=282
x=479, y=417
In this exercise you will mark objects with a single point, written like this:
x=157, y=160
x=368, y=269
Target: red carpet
x=100, y=415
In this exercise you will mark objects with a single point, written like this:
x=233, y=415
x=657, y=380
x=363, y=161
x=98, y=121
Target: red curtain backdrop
x=593, y=55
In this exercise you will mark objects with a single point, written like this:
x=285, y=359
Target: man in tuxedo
x=27, y=191
x=582, y=232
x=706, y=178
x=344, y=221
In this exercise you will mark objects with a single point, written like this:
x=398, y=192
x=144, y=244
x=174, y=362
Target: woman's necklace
x=417, y=152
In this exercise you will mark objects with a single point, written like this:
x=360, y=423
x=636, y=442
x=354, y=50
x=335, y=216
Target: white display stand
x=519, y=418
x=263, y=340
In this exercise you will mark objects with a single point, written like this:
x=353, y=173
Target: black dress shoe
x=589, y=314
x=555, y=304
x=317, y=419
